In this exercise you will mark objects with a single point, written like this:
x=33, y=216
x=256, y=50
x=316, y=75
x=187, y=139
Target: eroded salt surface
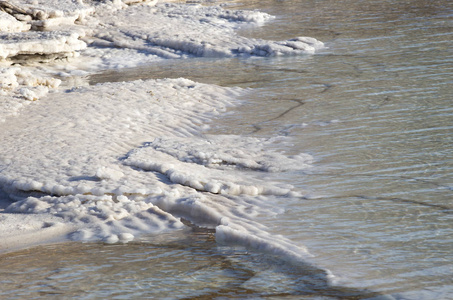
x=10, y=24
x=114, y=161
x=141, y=32
x=49, y=13
x=19, y=86
x=40, y=42
x=88, y=166
x=21, y=18
x=173, y=31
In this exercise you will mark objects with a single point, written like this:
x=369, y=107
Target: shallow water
x=374, y=109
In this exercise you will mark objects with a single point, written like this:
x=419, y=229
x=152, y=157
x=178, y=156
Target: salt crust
x=9, y=24
x=52, y=13
x=19, y=86
x=48, y=14
x=89, y=129
x=93, y=157
x=173, y=31
x=39, y=42
x=82, y=170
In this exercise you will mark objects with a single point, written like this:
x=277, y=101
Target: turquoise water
x=375, y=111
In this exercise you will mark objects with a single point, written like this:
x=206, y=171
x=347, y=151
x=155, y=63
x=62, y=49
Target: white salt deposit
x=114, y=161
x=173, y=31
x=141, y=33
x=210, y=152
x=16, y=39
x=10, y=24
x=206, y=165
x=19, y=86
x=43, y=43
x=84, y=169
x=51, y=13
x=146, y=33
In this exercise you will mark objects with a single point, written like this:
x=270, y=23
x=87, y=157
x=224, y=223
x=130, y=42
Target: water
x=374, y=109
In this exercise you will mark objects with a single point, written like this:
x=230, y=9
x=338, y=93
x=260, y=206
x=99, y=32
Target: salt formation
x=112, y=32
x=40, y=42
x=48, y=13
x=16, y=38
x=117, y=160
x=10, y=24
x=204, y=164
x=173, y=31
x=210, y=152
x=89, y=168
x=19, y=86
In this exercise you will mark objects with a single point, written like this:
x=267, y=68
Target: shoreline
x=84, y=129
x=27, y=231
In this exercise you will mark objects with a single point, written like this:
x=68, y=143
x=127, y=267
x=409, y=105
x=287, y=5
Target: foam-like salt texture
x=206, y=165
x=168, y=30
x=172, y=31
x=79, y=158
x=117, y=160
x=19, y=86
x=83, y=133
